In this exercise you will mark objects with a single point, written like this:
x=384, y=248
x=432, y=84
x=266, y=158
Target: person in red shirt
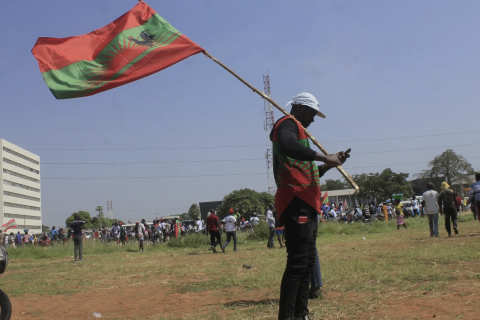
x=214, y=229
x=95, y=235
x=459, y=204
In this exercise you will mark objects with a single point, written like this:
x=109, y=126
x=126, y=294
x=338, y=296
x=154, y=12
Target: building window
x=23, y=227
x=20, y=206
x=21, y=216
x=18, y=195
x=13, y=163
x=20, y=176
x=21, y=156
x=18, y=185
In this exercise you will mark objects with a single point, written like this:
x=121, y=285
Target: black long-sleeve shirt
x=287, y=134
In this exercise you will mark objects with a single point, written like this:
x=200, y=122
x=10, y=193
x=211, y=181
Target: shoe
x=214, y=250
x=315, y=294
x=305, y=317
x=75, y=261
x=81, y=260
x=455, y=229
x=223, y=249
x=449, y=235
x=235, y=250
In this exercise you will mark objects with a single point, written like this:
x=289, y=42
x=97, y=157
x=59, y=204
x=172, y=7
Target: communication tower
x=268, y=125
x=110, y=209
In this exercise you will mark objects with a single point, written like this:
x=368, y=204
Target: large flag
x=9, y=225
x=324, y=199
x=134, y=46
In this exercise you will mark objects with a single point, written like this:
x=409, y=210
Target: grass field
x=369, y=272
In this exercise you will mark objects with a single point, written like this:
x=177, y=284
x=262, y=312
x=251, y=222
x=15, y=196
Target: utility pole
x=268, y=125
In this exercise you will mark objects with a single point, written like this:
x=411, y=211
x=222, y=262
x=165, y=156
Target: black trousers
x=230, y=235
x=215, y=235
x=270, y=243
x=300, y=240
x=450, y=214
x=78, y=247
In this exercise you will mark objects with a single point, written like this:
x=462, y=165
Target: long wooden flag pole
x=276, y=105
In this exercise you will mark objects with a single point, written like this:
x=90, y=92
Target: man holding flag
x=298, y=200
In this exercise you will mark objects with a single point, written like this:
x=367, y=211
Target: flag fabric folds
x=134, y=46
x=324, y=199
x=9, y=225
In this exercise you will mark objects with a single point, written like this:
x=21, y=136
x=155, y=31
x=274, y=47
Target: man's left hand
x=343, y=156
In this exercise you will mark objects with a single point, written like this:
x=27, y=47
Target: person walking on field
x=123, y=234
x=297, y=200
x=271, y=226
x=230, y=227
x=400, y=211
x=279, y=230
x=77, y=237
x=140, y=232
x=213, y=228
x=385, y=211
x=430, y=205
x=447, y=205
x=474, y=197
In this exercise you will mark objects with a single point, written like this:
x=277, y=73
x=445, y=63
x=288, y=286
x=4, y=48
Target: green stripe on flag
x=65, y=83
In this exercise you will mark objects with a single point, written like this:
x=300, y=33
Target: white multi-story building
x=20, y=195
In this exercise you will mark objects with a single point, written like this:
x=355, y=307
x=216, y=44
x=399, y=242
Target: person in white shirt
x=199, y=225
x=254, y=220
x=389, y=211
x=140, y=231
x=333, y=213
x=271, y=226
x=415, y=207
x=430, y=205
x=230, y=227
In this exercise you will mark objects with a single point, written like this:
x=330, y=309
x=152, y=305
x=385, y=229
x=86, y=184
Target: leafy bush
x=261, y=232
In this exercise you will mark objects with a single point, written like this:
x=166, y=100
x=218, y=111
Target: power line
x=230, y=174
x=156, y=148
x=408, y=137
x=398, y=164
x=152, y=162
x=126, y=130
x=234, y=160
x=247, y=146
x=218, y=130
x=428, y=148
x=158, y=177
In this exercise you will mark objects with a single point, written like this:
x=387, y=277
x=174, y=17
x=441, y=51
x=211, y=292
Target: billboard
x=205, y=207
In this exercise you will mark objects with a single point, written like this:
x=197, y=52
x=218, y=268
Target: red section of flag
x=9, y=225
x=53, y=53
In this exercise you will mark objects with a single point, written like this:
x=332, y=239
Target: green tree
x=454, y=167
x=381, y=186
x=331, y=184
x=245, y=201
x=45, y=228
x=84, y=215
x=194, y=212
x=184, y=216
x=99, y=220
x=266, y=199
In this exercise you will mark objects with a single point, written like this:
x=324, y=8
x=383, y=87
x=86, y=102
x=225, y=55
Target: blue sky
x=380, y=70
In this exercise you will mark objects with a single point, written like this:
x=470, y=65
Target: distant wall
x=205, y=207
x=420, y=185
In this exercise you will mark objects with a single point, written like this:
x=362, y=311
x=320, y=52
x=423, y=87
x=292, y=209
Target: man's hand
x=333, y=160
